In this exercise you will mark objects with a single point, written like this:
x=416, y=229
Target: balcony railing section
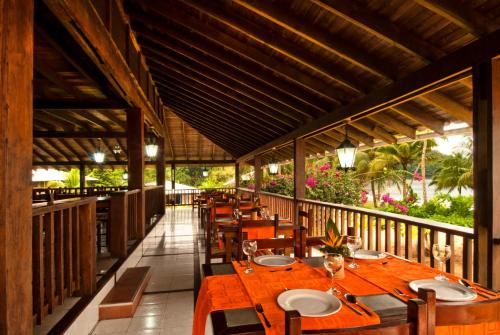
x=181, y=197
x=401, y=235
x=155, y=203
x=43, y=194
x=64, y=253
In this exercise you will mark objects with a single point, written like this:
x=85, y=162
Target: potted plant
x=333, y=243
x=256, y=208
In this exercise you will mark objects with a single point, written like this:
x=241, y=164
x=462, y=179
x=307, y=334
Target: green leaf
x=330, y=225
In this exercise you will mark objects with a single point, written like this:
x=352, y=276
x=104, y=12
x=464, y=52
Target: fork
x=401, y=293
x=260, y=309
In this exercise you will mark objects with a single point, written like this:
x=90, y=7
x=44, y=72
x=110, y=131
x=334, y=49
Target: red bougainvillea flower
x=251, y=186
x=325, y=167
x=417, y=176
x=311, y=182
x=337, y=174
x=274, y=183
x=364, y=197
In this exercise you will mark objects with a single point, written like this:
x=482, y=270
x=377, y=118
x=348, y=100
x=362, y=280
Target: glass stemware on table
x=333, y=263
x=249, y=248
x=353, y=244
x=442, y=253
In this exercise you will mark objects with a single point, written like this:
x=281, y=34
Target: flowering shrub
x=364, y=197
x=398, y=207
x=326, y=184
x=280, y=184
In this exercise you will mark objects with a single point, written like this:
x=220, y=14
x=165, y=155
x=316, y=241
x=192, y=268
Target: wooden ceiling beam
x=203, y=73
x=60, y=150
x=62, y=122
x=38, y=147
x=420, y=116
x=93, y=120
x=289, y=50
x=374, y=130
x=52, y=75
x=231, y=131
x=394, y=124
x=316, y=145
x=79, y=134
x=76, y=104
x=260, y=127
x=462, y=15
x=225, y=44
x=45, y=147
x=327, y=143
x=70, y=148
x=169, y=137
x=452, y=67
x=336, y=135
x=357, y=134
x=212, y=132
x=455, y=109
x=285, y=18
x=248, y=74
x=221, y=95
x=184, y=138
x=223, y=88
x=382, y=28
x=113, y=118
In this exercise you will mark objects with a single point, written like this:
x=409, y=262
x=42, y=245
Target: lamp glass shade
x=151, y=150
x=204, y=173
x=273, y=168
x=125, y=175
x=99, y=156
x=347, y=154
x=117, y=150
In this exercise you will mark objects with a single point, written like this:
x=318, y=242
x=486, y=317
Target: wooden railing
x=180, y=197
x=402, y=235
x=155, y=203
x=64, y=253
x=125, y=221
x=43, y=194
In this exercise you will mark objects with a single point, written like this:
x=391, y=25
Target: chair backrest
x=305, y=218
x=466, y=315
x=416, y=323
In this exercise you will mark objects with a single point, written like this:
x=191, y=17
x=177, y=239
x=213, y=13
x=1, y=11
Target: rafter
x=394, y=124
x=420, y=116
x=374, y=130
x=450, y=106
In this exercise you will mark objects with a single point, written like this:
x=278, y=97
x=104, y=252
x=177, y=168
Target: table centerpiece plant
x=334, y=243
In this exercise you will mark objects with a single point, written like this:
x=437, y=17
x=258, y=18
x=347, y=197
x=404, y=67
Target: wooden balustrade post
x=118, y=227
x=299, y=175
x=486, y=123
x=16, y=147
x=87, y=242
x=82, y=179
x=135, y=144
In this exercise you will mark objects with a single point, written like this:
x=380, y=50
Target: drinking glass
x=353, y=244
x=235, y=214
x=442, y=253
x=249, y=249
x=333, y=263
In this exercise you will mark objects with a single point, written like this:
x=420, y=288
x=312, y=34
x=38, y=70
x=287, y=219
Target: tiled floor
x=168, y=304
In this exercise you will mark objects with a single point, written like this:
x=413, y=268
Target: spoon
x=287, y=269
x=469, y=286
x=352, y=299
x=260, y=309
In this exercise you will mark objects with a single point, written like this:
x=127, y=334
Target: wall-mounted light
x=204, y=172
x=117, y=149
x=151, y=146
x=125, y=175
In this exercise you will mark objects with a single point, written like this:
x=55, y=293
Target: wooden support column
x=257, y=174
x=236, y=175
x=160, y=169
x=135, y=145
x=486, y=123
x=173, y=176
x=16, y=138
x=299, y=174
x=82, y=179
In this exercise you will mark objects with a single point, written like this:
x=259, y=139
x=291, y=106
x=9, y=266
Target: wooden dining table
x=229, y=229
x=373, y=283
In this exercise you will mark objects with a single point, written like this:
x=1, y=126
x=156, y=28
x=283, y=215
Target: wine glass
x=249, y=249
x=333, y=263
x=353, y=244
x=235, y=214
x=442, y=253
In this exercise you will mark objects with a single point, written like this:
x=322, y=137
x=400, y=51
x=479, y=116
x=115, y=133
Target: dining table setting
x=331, y=291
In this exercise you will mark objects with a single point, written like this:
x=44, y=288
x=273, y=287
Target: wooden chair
x=465, y=317
x=212, y=248
x=416, y=324
x=305, y=219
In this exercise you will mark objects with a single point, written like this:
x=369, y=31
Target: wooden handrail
x=64, y=252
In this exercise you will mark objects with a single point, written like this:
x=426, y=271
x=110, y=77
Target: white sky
x=451, y=144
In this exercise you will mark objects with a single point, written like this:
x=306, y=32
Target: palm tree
x=455, y=172
x=404, y=155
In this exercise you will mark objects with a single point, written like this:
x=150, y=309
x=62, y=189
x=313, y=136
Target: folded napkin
x=385, y=305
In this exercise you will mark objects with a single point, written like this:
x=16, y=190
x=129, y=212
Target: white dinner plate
x=311, y=303
x=369, y=254
x=445, y=290
x=274, y=260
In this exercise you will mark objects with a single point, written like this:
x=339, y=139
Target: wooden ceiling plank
x=382, y=28
x=448, y=105
x=227, y=90
x=358, y=135
x=169, y=137
x=421, y=117
x=230, y=62
x=62, y=151
x=184, y=138
x=214, y=76
x=374, y=131
x=67, y=119
x=62, y=122
x=394, y=124
x=52, y=75
x=287, y=20
x=87, y=104
x=462, y=15
x=262, y=128
x=287, y=49
x=42, y=144
x=244, y=50
x=113, y=118
x=220, y=73
x=232, y=111
x=79, y=134
x=39, y=147
x=70, y=148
